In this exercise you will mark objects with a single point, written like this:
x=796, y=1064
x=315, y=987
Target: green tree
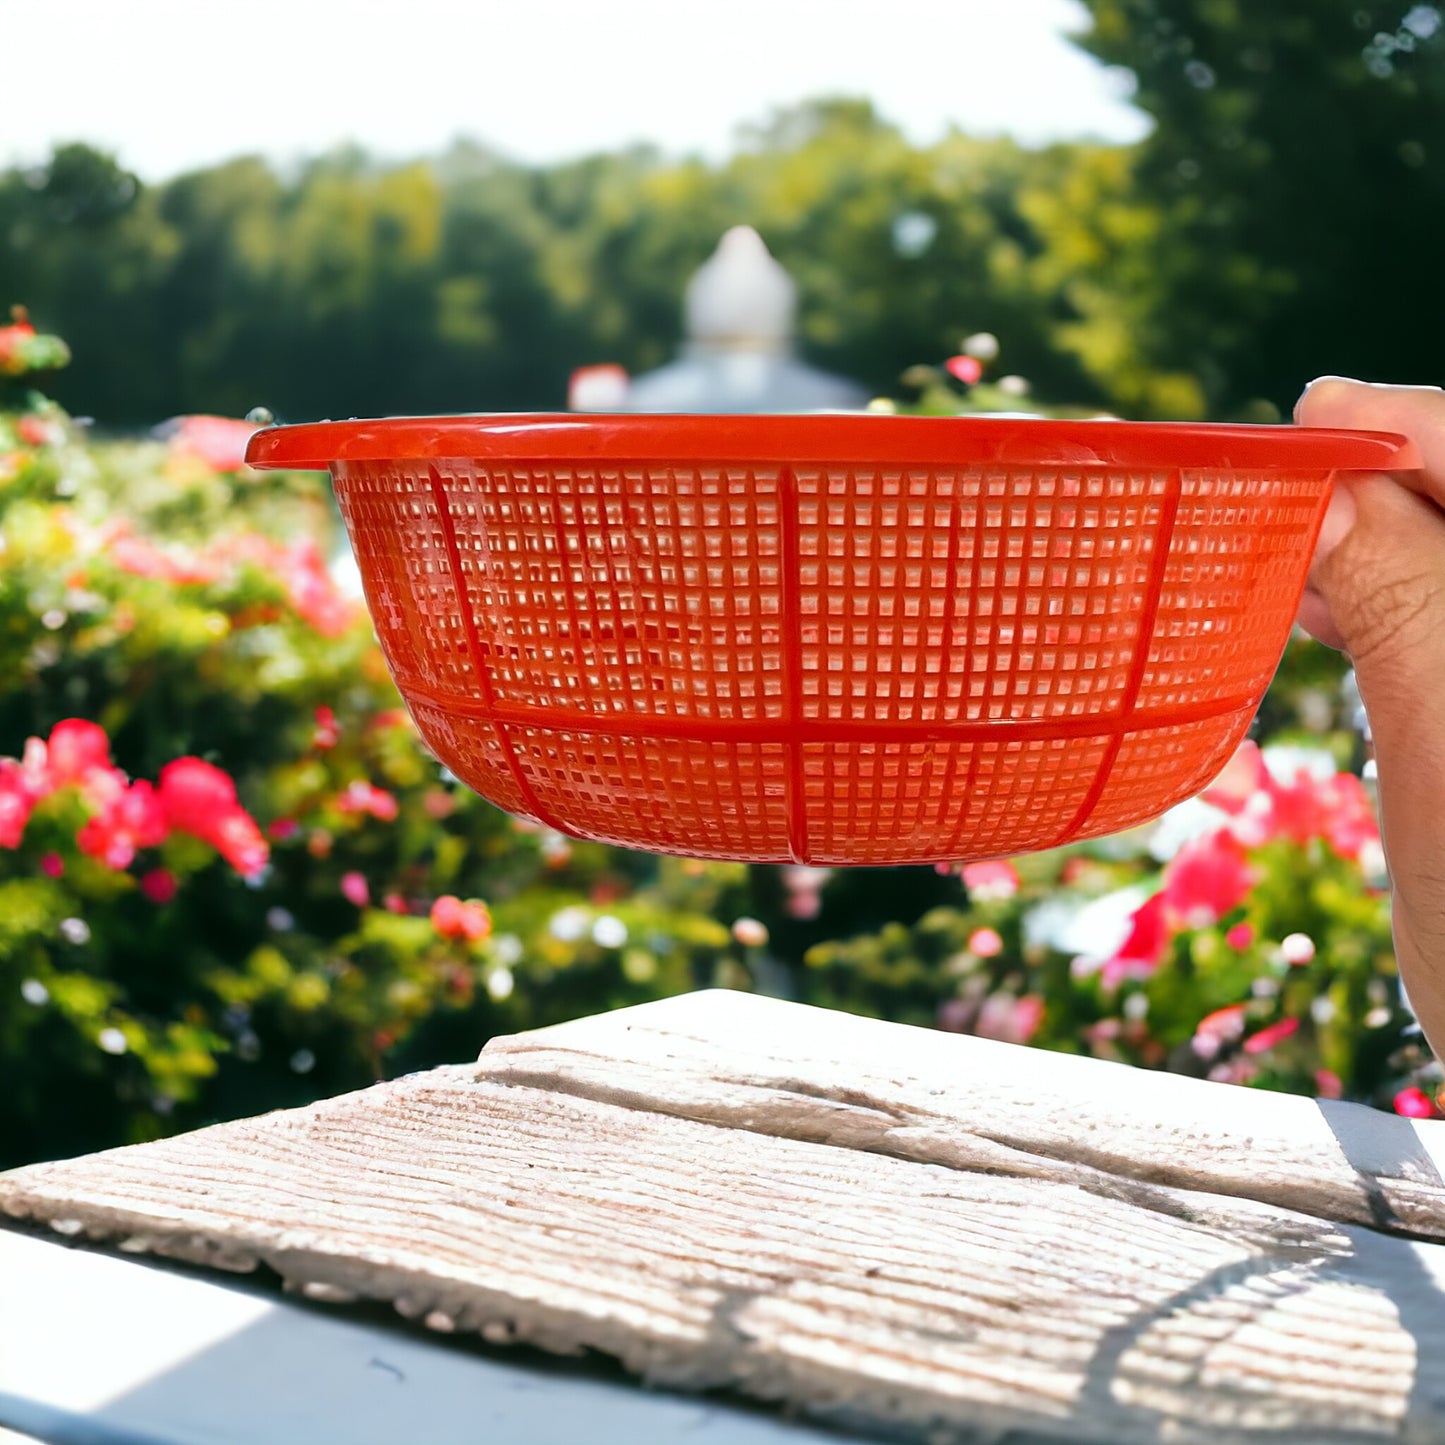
x=1297, y=167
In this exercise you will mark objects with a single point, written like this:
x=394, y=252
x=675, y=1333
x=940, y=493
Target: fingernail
x=1319, y=381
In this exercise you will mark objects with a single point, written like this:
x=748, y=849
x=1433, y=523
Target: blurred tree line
x=1279, y=222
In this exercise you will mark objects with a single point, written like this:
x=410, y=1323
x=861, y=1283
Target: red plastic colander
x=830, y=639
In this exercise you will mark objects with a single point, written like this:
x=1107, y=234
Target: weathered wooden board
x=803, y=1073
x=649, y=1184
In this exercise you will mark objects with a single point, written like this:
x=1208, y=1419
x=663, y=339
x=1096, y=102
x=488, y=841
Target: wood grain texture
x=780, y=1068
x=694, y=1224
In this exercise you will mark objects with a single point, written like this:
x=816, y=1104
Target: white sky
x=173, y=84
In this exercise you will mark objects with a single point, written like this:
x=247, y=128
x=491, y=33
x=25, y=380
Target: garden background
x=231, y=878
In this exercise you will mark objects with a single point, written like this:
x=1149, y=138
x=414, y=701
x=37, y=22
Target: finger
x=1314, y=611
x=1417, y=412
x=1315, y=617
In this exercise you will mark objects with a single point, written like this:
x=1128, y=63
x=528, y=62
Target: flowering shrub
x=1255, y=951
x=231, y=876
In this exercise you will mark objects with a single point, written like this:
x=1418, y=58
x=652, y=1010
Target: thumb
x=1380, y=575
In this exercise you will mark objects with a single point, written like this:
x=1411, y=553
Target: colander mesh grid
x=831, y=664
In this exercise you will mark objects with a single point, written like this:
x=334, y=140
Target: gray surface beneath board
x=99, y=1350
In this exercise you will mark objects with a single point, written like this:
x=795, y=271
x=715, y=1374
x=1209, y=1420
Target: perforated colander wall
x=825, y=663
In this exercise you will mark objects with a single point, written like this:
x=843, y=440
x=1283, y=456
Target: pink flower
x=1010, y=1020
x=1215, y=1030
x=995, y=879
x=1267, y=1038
x=159, y=885
x=240, y=842
x=1350, y=824
x=173, y=564
x=394, y=903
x=76, y=749
x=282, y=829
x=363, y=797
x=218, y=441
x=1297, y=809
x=200, y=799
x=17, y=802
x=1028, y=1015
x=967, y=369
x=355, y=889
x=194, y=793
x=1240, y=936
x=133, y=820
x=440, y=804
x=327, y=734
x=1244, y=775
x=52, y=865
x=1414, y=1103
x=1206, y=879
x=1337, y=809
x=1328, y=1084
x=454, y=919
x=985, y=943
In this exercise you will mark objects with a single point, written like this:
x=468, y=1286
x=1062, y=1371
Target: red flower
x=327, y=734
x=133, y=820
x=52, y=865
x=38, y=431
x=967, y=369
x=1206, y=879
x=1240, y=936
x=1414, y=1103
x=454, y=919
x=1141, y=952
x=1267, y=1038
x=13, y=339
x=159, y=885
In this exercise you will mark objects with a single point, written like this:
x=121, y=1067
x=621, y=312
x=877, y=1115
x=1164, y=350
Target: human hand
x=1377, y=590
